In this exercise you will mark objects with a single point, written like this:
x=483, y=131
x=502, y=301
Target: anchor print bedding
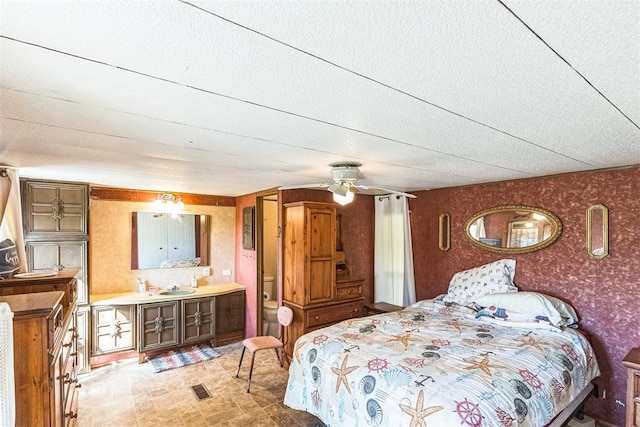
x=438, y=365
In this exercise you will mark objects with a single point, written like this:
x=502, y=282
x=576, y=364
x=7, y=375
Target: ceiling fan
x=344, y=185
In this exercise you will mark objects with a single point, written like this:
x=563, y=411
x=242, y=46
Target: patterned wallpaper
x=605, y=293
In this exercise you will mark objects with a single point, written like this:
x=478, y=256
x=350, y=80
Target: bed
x=443, y=363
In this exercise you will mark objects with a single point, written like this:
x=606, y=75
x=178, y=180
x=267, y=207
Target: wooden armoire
x=310, y=285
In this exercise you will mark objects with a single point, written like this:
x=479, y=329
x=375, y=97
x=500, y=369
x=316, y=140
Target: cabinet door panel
x=198, y=317
x=158, y=326
x=55, y=208
x=113, y=329
x=321, y=284
x=322, y=242
x=230, y=312
x=44, y=256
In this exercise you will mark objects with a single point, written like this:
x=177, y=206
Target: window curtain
x=393, y=254
x=11, y=213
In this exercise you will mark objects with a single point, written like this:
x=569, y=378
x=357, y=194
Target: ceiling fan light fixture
x=338, y=188
x=343, y=200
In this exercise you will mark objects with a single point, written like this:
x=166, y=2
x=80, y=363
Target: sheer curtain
x=393, y=254
x=11, y=212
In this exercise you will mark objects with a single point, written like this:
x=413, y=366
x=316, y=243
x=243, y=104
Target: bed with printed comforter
x=440, y=364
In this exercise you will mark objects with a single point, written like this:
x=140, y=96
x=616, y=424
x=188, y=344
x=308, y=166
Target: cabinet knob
x=349, y=291
x=317, y=317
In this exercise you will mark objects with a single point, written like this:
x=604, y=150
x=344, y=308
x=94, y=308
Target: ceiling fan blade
x=386, y=190
x=295, y=187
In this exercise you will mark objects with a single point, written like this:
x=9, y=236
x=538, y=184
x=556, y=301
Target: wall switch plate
x=226, y=272
x=207, y=271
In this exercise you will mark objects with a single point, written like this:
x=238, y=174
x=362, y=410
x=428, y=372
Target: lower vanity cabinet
x=114, y=329
x=158, y=326
x=198, y=319
x=230, y=318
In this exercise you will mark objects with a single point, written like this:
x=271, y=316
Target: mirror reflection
x=161, y=241
x=514, y=229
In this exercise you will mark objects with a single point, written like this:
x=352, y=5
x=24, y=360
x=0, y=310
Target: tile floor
x=126, y=393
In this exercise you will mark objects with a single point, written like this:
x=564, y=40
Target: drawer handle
x=355, y=310
x=71, y=414
x=78, y=385
x=68, y=344
x=316, y=318
x=349, y=291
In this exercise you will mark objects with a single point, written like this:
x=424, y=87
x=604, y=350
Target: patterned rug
x=183, y=357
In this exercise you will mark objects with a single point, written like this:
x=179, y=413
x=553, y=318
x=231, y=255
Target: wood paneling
x=127, y=195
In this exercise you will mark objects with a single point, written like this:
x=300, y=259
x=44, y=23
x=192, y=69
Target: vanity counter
x=130, y=298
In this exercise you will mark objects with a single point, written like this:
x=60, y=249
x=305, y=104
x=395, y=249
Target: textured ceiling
x=234, y=97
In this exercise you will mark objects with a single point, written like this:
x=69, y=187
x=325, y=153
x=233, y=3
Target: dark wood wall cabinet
x=45, y=345
x=632, y=363
x=55, y=220
x=311, y=288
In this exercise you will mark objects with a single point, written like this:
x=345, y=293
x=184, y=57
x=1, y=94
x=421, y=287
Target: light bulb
x=343, y=200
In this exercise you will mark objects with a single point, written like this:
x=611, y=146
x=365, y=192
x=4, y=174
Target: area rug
x=183, y=357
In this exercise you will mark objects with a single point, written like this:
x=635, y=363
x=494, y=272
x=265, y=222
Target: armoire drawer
x=332, y=314
x=349, y=292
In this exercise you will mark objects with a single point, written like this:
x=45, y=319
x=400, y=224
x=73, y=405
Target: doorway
x=267, y=263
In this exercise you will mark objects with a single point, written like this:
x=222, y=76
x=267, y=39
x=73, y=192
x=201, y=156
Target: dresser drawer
x=333, y=314
x=349, y=292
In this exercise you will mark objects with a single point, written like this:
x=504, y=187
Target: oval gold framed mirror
x=514, y=229
x=597, y=231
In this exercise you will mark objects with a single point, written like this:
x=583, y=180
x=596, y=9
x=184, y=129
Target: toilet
x=270, y=307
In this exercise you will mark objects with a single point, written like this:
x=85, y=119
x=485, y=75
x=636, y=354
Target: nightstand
x=632, y=363
x=381, y=307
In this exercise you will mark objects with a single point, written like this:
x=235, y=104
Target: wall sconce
x=342, y=193
x=169, y=204
x=444, y=232
x=597, y=231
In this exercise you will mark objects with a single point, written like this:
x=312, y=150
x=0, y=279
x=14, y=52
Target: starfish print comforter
x=437, y=365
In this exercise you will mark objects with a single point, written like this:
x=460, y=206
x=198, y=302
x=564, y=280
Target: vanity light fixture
x=169, y=204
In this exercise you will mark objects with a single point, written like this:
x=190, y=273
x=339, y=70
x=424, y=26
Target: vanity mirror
x=160, y=241
x=514, y=229
x=597, y=231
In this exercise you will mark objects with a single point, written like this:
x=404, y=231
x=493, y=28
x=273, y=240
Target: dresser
x=632, y=363
x=44, y=342
x=45, y=339
x=311, y=288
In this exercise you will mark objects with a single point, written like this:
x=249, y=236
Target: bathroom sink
x=178, y=292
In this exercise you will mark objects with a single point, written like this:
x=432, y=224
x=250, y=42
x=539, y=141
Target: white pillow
x=495, y=277
x=558, y=312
